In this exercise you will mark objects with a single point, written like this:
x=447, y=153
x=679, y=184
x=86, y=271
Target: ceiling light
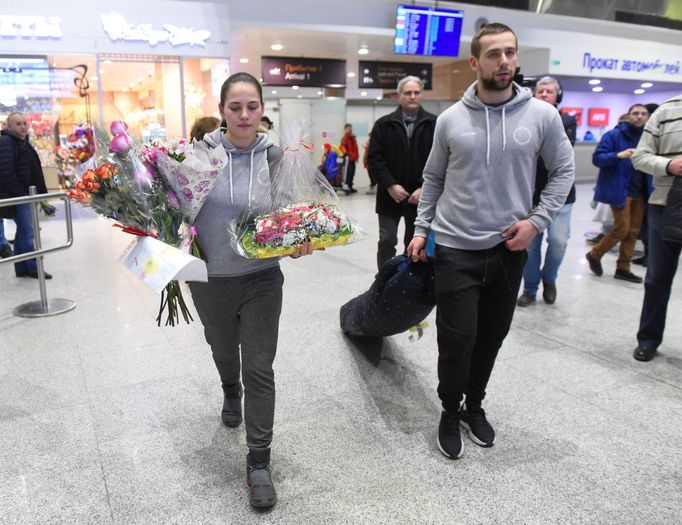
x=350, y=74
x=101, y=71
x=91, y=78
x=638, y=91
x=300, y=96
x=243, y=60
x=363, y=93
x=276, y=47
x=594, y=82
x=320, y=92
x=647, y=85
x=107, y=62
x=379, y=97
x=274, y=91
x=294, y=87
x=131, y=85
x=597, y=89
x=363, y=50
x=140, y=79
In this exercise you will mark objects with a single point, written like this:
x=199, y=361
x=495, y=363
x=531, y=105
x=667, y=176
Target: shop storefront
x=159, y=66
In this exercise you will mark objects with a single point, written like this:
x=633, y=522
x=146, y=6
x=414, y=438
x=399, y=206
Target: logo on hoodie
x=522, y=135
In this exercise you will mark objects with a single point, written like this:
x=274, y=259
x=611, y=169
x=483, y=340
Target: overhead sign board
x=385, y=75
x=304, y=72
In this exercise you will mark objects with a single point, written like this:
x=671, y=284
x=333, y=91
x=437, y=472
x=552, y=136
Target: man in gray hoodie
x=477, y=198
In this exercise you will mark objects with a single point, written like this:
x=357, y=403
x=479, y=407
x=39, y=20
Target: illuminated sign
x=598, y=117
x=30, y=26
x=117, y=28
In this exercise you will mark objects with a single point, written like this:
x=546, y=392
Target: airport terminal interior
x=107, y=418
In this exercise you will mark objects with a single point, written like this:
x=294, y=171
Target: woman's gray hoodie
x=480, y=175
x=244, y=185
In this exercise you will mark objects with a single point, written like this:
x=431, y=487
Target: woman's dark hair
x=240, y=77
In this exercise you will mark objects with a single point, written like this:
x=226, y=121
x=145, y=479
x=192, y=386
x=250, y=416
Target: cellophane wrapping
x=301, y=206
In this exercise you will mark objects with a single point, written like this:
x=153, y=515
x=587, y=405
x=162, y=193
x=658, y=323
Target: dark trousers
x=476, y=296
x=388, y=232
x=241, y=320
x=349, y=168
x=661, y=267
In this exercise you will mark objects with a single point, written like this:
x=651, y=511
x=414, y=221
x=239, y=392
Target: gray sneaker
x=526, y=299
x=262, y=493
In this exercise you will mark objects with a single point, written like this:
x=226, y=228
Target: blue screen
x=427, y=31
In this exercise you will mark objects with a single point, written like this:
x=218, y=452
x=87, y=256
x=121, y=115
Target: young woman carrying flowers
x=241, y=303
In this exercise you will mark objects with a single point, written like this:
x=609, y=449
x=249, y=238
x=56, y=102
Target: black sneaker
x=473, y=420
x=262, y=493
x=526, y=299
x=5, y=251
x=625, y=275
x=641, y=261
x=231, y=414
x=449, y=439
x=595, y=265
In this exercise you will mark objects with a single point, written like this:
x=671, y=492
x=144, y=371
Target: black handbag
x=672, y=213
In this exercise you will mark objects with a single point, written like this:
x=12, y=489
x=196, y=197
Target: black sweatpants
x=476, y=295
x=242, y=313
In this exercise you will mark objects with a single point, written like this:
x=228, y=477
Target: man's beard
x=493, y=84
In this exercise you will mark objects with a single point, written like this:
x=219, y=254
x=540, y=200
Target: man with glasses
x=398, y=148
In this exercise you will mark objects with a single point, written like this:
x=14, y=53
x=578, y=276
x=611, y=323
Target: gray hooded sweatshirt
x=243, y=186
x=480, y=175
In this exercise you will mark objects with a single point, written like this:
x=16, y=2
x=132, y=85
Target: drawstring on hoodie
x=229, y=154
x=487, y=131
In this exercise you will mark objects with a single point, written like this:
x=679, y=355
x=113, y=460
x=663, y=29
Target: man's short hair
x=638, y=105
x=14, y=113
x=409, y=78
x=549, y=80
x=491, y=29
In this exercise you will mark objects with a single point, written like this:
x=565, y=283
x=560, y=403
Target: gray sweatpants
x=245, y=311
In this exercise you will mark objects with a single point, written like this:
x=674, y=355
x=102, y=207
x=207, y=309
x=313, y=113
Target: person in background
x=329, y=165
x=477, y=199
x=349, y=145
x=549, y=90
x=644, y=230
x=266, y=123
x=202, y=126
x=398, y=148
x=19, y=170
x=624, y=188
x=240, y=305
x=659, y=154
x=372, y=183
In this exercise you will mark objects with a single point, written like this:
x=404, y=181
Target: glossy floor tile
x=107, y=418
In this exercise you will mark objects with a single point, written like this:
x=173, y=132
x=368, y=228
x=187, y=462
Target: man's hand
x=675, y=166
x=398, y=193
x=414, y=198
x=519, y=236
x=625, y=154
x=415, y=249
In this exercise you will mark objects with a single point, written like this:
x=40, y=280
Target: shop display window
x=203, y=79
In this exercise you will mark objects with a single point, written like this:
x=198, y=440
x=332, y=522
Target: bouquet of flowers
x=123, y=187
x=190, y=169
x=81, y=143
x=301, y=206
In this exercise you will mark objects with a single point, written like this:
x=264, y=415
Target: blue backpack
x=331, y=167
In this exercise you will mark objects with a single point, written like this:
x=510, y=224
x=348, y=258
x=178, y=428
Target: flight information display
x=427, y=31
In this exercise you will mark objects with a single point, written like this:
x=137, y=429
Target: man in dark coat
x=399, y=146
x=20, y=169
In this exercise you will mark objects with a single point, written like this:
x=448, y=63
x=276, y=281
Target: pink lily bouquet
x=191, y=170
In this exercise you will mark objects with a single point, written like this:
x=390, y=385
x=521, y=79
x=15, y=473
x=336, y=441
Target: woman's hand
x=306, y=248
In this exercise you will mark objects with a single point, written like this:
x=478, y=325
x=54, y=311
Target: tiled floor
x=105, y=418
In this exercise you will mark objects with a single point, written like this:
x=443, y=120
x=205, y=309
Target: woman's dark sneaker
x=231, y=414
x=473, y=420
x=262, y=493
x=449, y=439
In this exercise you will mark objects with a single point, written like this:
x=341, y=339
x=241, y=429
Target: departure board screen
x=427, y=31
